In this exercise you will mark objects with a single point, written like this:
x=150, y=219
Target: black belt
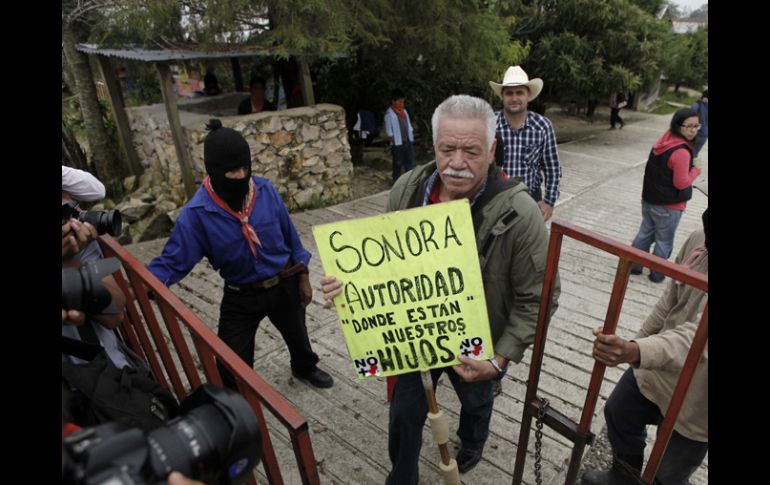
x=270, y=282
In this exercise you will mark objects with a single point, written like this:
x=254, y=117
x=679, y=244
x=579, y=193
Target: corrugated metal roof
x=161, y=55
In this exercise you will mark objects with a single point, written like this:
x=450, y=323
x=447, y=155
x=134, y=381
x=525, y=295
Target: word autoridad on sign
x=412, y=295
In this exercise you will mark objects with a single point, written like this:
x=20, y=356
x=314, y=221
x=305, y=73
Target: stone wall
x=304, y=151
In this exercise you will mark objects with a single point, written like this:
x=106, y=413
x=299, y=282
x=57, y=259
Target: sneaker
x=636, y=269
x=316, y=378
x=467, y=458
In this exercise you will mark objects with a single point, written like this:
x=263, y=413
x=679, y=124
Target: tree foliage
x=360, y=50
x=430, y=52
x=687, y=59
x=700, y=13
x=586, y=49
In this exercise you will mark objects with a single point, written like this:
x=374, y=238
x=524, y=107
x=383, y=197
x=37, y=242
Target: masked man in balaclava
x=239, y=222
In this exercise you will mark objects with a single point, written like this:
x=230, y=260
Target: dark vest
x=659, y=179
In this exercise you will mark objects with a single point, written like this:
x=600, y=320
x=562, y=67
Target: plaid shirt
x=530, y=152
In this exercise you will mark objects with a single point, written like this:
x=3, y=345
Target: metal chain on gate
x=539, y=441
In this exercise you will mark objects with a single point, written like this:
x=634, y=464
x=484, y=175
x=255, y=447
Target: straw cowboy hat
x=515, y=76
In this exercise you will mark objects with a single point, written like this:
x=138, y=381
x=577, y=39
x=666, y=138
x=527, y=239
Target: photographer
x=79, y=246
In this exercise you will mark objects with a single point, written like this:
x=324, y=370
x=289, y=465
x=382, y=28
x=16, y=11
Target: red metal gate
x=208, y=346
x=580, y=433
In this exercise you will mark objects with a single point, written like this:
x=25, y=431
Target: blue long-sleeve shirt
x=203, y=229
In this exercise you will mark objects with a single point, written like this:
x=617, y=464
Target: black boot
x=626, y=470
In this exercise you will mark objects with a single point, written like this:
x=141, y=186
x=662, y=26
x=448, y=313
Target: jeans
x=698, y=144
x=659, y=225
x=628, y=412
x=409, y=409
x=402, y=155
x=241, y=312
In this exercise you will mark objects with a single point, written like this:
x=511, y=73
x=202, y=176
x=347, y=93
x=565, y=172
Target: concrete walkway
x=601, y=190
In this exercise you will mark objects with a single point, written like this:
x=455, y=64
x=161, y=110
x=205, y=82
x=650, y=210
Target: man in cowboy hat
x=529, y=143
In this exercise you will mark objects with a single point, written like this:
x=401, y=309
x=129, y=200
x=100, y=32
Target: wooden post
x=183, y=155
x=237, y=77
x=307, y=85
x=115, y=96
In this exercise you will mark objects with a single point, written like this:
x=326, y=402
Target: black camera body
x=82, y=288
x=106, y=222
x=215, y=440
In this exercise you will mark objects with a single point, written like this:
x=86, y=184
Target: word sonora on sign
x=412, y=293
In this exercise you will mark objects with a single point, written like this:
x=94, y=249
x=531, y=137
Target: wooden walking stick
x=440, y=427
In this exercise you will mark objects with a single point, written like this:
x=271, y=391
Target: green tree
x=429, y=49
x=686, y=59
x=77, y=17
x=586, y=49
x=700, y=13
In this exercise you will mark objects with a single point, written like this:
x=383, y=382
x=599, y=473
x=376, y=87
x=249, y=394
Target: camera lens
x=82, y=288
x=218, y=442
x=109, y=222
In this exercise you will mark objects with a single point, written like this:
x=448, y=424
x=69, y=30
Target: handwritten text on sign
x=412, y=295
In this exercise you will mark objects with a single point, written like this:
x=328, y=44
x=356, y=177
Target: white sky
x=690, y=4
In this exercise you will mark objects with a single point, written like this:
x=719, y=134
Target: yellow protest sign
x=412, y=296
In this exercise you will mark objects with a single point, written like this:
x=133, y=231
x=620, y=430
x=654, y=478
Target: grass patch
x=664, y=109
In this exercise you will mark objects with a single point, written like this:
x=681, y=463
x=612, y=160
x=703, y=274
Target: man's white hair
x=465, y=107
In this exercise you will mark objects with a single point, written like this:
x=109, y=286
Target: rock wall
x=304, y=151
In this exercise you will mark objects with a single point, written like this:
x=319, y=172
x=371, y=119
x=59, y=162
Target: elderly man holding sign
x=496, y=298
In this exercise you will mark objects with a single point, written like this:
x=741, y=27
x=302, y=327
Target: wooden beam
x=308, y=97
x=115, y=96
x=237, y=76
x=172, y=112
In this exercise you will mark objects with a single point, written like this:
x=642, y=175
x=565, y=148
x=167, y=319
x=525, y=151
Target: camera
x=82, y=288
x=215, y=440
x=105, y=222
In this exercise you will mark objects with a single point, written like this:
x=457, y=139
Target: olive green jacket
x=512, y=242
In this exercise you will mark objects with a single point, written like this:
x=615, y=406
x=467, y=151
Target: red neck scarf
x=243, y=217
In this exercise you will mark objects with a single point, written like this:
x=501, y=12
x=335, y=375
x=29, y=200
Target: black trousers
x=615, y=117
x=628, y=413
x=242, y=311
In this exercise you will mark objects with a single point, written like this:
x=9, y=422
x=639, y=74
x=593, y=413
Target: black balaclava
x=225, y=149
x=705, y=219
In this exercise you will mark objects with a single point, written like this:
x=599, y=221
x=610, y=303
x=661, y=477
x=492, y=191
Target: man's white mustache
x=465, y=174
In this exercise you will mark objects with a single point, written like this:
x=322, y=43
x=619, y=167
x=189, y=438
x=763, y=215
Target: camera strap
x=88, y=334
x=80, y=349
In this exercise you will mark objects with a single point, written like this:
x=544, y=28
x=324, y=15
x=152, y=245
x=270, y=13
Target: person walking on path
x=668, y=178
x=617, y=102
